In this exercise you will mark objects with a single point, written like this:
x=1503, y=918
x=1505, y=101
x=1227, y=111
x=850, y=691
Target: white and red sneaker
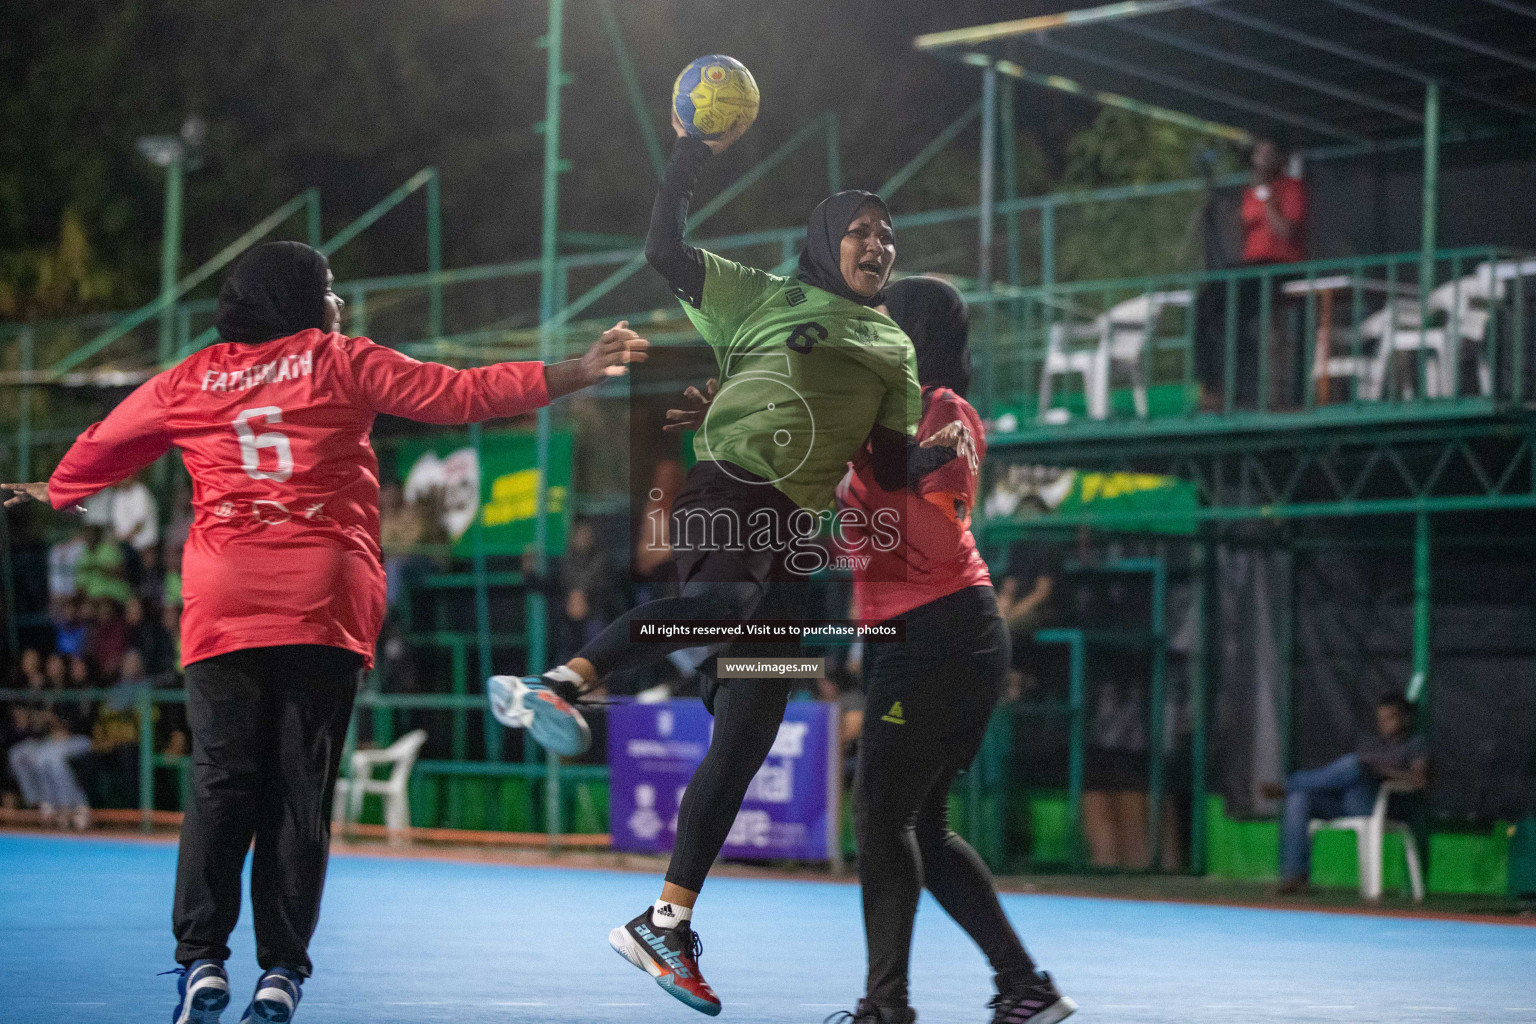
x=532, y=703
x=671, y=956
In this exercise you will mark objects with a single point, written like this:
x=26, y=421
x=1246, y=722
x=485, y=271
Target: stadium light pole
x=176, y=154
x=173, y=153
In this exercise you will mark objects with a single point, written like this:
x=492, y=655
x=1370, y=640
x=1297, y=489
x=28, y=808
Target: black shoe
x=1038, y=1002
x=867, y=1012
x=671, y=956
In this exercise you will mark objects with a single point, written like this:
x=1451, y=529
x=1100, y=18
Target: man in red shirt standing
x=284, y=583
x=1273, y=215
x=1274, y=210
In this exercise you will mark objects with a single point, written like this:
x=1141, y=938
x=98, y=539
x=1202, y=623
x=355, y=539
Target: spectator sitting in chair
x=1347, y=786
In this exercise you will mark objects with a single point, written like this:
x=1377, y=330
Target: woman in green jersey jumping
x=809, y=371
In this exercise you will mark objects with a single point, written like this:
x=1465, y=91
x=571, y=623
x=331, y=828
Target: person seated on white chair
x=1347, y=786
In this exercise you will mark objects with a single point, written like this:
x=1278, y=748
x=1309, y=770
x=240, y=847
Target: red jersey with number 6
x=284, y=547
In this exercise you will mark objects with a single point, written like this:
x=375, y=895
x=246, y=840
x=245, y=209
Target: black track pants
x=929, y=701
x=268, y=725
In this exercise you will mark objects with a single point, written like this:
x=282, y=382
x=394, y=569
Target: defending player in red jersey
x=284, y=586
x=930, y=697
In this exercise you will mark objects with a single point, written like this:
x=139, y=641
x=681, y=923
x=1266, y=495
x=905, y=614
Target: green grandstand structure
x=1410, y=423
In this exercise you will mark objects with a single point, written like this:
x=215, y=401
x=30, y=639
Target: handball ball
x=713, y=95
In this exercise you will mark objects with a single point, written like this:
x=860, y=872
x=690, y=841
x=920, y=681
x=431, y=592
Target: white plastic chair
x=1370, y=831
x=1123, y=335
x=1466, y=304
x=1369, y=367
x=401, y=756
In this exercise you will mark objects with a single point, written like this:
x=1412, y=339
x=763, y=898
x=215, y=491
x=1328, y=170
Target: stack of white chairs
x=1122, y=336
x=1465, y=306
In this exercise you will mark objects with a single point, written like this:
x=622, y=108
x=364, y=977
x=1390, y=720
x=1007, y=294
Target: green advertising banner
x=1126, y=494
x=502, y=488
x=1141, y=501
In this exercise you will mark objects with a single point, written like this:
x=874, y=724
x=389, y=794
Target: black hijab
x=935, y=317
x=821, y=259
x=276, y=289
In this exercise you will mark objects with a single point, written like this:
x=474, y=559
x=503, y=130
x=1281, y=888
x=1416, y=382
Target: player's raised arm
x=392, y=382
x=677, y=261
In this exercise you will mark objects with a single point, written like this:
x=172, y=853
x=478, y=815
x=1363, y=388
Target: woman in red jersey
x=284, y=585
x=930, y=697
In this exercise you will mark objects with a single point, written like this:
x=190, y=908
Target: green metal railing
x=1362, y=314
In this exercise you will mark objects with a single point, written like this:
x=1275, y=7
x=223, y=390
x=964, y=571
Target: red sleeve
x=955, y=476
x=131, y=437
x=392, y=382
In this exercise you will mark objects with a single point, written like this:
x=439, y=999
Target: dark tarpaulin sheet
x=1354, y=642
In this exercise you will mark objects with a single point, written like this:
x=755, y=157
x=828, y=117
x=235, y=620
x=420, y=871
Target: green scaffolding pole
x=984, y=234
x=548, y=299
x=1157, y=727
x=928, y=152
x=170, y=256
x=312, y=217
x=435, y=255
x=483, y=594
x=1010, y=146
x=1418, y=686
x=637, y=102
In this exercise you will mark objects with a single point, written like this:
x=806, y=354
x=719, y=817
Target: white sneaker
x=528, y=702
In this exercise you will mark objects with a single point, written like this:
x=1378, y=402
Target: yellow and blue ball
x=713, y=95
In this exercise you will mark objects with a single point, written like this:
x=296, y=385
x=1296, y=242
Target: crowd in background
x=114, y=593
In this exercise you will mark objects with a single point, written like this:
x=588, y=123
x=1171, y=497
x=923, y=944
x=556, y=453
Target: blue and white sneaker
x=203, y=989
x=277, y=997
x=533, y=703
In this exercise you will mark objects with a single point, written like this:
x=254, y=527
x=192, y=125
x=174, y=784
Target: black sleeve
x=680, y=263
x=899, y=462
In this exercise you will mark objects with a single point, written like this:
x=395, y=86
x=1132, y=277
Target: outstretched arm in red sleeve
x=394, y=383
x=131, y=437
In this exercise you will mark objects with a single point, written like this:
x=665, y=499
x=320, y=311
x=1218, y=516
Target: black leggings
x=929, y=702
x=747, y=716
x=268, y=725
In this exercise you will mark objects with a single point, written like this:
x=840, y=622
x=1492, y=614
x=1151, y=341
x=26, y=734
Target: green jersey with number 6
x=804, y=375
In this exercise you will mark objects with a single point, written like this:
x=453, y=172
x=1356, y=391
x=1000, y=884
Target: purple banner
x=791, y=808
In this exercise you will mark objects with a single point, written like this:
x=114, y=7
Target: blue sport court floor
x=84, y=927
